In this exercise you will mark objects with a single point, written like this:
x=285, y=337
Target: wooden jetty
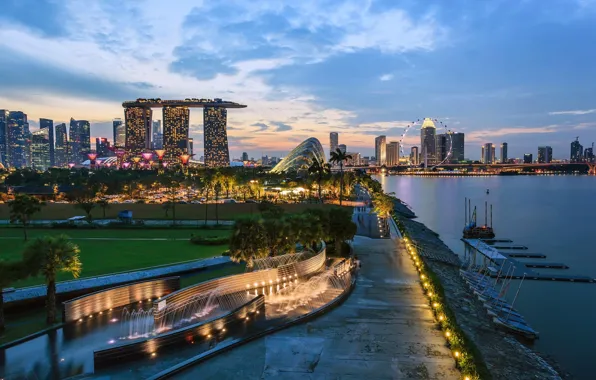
x=518, y=269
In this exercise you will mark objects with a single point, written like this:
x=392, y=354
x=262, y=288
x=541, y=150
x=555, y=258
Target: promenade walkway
x=384, y=330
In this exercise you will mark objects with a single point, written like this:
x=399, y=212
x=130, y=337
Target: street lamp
x=92, y=158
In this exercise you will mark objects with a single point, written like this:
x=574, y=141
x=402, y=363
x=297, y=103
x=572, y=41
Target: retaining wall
x=118, y=296
x=244, y=281
x=150, y=346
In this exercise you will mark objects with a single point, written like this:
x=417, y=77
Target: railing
x=103, y=300
x=254, y=281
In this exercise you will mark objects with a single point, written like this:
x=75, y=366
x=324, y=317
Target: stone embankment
x=403, y=209
x=505, y=357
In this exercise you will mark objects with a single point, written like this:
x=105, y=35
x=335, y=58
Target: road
x=384, y=330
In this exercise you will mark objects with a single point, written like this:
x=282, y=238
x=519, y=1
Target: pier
x=517, y=269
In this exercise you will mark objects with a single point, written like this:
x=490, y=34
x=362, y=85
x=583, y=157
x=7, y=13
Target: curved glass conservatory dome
x=302, y=156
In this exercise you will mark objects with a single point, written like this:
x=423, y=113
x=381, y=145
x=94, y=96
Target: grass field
x=226, y=211
x=117, y=250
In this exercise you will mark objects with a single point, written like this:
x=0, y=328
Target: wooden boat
x=516, y=327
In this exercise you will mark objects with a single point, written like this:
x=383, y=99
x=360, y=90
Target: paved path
x=384, y=330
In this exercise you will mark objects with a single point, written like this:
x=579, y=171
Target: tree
x=87, y=205
x=48, y=255
x=217, y=187
x=383, y=204
x=319, y=170
x=339, y=157
x=10, y=272
x=341, y=227
x=248, y=241
x=22, y=209
x=104, y=204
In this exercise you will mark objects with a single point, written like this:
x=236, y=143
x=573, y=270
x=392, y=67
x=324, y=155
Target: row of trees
x=47, y=256
x=274, y=232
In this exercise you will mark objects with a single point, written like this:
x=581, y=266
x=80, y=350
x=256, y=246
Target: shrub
x=209, y=240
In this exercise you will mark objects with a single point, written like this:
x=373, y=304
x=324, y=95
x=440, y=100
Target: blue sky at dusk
x=520, y=71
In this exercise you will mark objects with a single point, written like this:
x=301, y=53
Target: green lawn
x=121, y=252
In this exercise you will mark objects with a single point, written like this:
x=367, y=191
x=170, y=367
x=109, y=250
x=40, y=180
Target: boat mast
x=514, y=298
x=485, y=213
x=465, y=212
x=491, y=216
x=470, y=210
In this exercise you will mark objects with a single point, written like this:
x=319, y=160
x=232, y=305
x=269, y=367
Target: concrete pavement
x=384, y=330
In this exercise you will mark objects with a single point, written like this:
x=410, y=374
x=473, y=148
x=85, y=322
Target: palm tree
x=248, y=241
x=22, y=208
x=339, y=157
x=218, y=180
x=9, y=272
x=320, y=170
x=103, y=203
x=87, y=205
x=48, y=255
x=207, y=186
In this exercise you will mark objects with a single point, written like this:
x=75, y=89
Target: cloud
x=281, y=127
x=262, y=126
x=386, y=77
x=484, y=135
x=575, y=112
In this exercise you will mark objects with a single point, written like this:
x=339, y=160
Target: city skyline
x=417, y=57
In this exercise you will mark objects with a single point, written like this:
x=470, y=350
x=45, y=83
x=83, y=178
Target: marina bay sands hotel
x=138, y=116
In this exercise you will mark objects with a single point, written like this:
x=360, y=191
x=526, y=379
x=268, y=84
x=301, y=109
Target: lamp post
x=92, y=158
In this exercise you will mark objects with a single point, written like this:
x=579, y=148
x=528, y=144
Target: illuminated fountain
x=136, y=323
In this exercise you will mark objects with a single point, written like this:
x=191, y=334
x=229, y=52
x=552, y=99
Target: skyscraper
x=40, y=149
x=79, y=140
x=381, y=150
x=49, y=125
x=244, y=156
x=61, y=151
x=175, y=132
x=102, y=147
x=493, y=157
x=545, y=154
x=215, y=137
x=342, y=147
x=487, y=151
x=17, y=136
x=457, y=147
x=3, y=146
x=333, y=141
x=428, y=142
x=504, y=153
x=191, y=148
x=138, y=129
x=355, y=160
x=156, y=135
x=528, y=158
x=577, y=149
x=392, y=153
x=443, y=144
x=414, y=156
x=119, y=141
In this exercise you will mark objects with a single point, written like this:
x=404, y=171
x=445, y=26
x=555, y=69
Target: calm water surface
x=553, y=215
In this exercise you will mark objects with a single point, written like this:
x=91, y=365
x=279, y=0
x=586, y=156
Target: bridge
x=582, y=167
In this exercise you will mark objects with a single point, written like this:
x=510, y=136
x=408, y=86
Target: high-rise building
x=17, y=138
x=40, y=149
x=102, y=147
x=428, y=142
x=244, y=156
x=175, y=132
x=355, y=160
x=504, y=157
x=138, y=129
x=381, y=150
x=493, y=157
x=61, y=150
x=392, y=153
x=487, y=153
x=49, y=125
x=528, y=158
x=414, y=156
x=342, y=148
x=3, y=146
x=545, y=154
x=589, y=154
x=156, y=135
x=457, y=147
x=577, y=151
x=79, y=140
x=442, y=146
x=117, y=129
x=333, y=142
x=215, y=137
x=191, y=149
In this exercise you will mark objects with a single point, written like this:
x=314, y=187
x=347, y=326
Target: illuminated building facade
x=40, y=149
x=355, y=160
x=138, y=129
x=215, y=137
x=381, y=150
x=117, y=129
x=191, y=148
x=457, y=147
x=545, y=154
x=301, y=157
x=3, y=146
x=488, y=154
x=414, y=156
x=577, y=151
x=61, y=151
x=102, y=147
x=528, y=158
x=17, y=139
x=79, y=140
x=49, y=126
x=504, y=153
x=157, y=135
x=175, y=132
x=428, y=142
x=392, y=153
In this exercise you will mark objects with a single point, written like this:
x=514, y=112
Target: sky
x=515, y=71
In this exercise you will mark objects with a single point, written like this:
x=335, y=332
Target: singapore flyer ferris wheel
x=434, y=146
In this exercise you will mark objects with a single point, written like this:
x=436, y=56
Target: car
x=250, y=201
x=229, y=201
